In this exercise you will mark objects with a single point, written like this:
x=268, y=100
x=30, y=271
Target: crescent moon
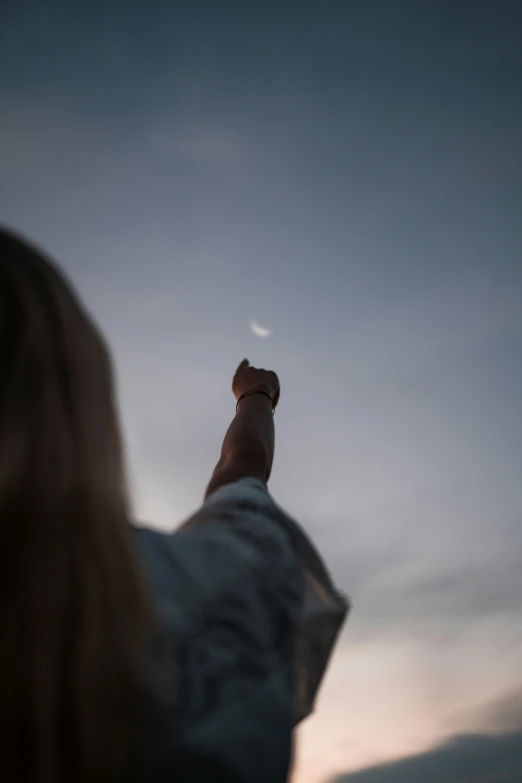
x=260, y=331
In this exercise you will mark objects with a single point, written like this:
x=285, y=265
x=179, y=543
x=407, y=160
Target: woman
x=127, y=654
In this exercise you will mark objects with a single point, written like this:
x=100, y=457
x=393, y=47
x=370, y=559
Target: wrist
x=260, y=393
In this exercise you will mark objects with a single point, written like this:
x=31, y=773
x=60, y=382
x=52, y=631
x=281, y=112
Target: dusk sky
x=348, y=173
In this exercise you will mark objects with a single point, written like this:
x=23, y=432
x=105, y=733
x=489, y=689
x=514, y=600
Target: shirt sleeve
x=291, y=590
x=248, y=620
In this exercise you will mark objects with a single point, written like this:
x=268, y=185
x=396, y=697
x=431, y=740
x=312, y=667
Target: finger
x=244, y=363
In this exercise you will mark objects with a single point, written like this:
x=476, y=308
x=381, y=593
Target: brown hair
x=73, y=610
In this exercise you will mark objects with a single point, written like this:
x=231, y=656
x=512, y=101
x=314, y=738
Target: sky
x=349, y=174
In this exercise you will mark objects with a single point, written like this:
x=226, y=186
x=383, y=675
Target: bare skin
x=248, y=447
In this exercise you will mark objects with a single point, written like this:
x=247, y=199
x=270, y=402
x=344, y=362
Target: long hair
x=73, y=609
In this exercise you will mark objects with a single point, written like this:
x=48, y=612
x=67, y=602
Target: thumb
x=244, y=363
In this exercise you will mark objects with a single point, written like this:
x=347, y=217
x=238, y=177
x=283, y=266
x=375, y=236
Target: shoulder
x=234, y=542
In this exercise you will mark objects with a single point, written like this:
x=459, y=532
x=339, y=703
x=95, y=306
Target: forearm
x=248, y=447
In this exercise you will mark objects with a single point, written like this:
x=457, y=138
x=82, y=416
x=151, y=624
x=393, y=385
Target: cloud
x=198, y=142
x=438, y=557
x=502, y=715
x=471, y=758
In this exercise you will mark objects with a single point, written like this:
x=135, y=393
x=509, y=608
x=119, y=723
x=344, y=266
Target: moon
x=260, y=331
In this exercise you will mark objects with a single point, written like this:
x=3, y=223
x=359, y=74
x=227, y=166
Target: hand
x=248, y=378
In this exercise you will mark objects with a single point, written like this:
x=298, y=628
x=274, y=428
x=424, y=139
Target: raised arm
x=248, y=447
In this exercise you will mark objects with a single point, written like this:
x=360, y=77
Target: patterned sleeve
x=293, y=583
x=248, y=620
